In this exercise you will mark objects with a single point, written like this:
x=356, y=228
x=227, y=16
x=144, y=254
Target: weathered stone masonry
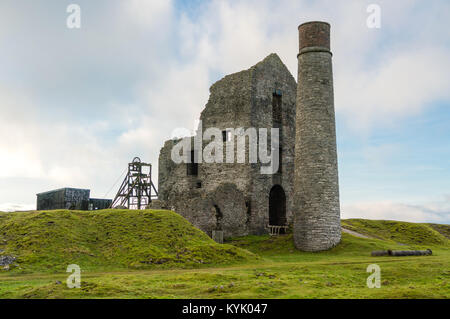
x=317, y=215
x=236, y=198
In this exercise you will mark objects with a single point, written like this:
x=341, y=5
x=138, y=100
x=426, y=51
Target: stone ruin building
x=235, y=199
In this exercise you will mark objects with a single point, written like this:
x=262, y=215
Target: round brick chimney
x=314, y=34
x=316, y=189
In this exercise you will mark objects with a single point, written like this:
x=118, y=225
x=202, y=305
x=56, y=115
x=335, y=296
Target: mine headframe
x=136, y=189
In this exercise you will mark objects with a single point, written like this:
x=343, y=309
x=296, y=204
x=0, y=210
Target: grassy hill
x=381, y=235
x=419, y=234
x=48, y=241
x=158, y=254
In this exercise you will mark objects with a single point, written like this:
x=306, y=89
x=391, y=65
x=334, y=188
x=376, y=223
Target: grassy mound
x=110, y=242
x=444, y=230
x=383, y=235
x=401, y=232
x=48, y=241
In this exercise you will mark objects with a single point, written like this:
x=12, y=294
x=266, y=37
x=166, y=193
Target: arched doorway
x=277, y=206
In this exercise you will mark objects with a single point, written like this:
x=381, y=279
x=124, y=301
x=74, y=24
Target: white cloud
x=375, y=84
x=63, y=119
x=138, y=70
x=151, y=14
x=436, y=212
x=12, y=207
x=402, y=84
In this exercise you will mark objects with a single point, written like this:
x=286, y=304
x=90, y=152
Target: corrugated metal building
x=70, y=198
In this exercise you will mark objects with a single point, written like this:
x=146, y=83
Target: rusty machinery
x=136, y=189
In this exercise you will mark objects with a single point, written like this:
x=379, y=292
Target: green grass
x=48, y=241
x=280, y=271
x=401, y=232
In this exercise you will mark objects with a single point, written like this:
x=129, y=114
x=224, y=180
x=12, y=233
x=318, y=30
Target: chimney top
x=314, y=34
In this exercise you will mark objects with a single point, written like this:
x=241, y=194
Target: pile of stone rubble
x=5, y=261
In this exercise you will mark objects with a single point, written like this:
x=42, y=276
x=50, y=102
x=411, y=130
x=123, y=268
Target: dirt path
x=353, y=233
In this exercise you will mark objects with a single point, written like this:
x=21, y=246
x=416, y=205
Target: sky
x=76, y=105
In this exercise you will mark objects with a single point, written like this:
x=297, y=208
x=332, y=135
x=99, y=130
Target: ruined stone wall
x=215, y=198
x=179, y=191
x=228, y=107
x=271, y=76
x=172, y=177
x=228, y=184
x=234, y=197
